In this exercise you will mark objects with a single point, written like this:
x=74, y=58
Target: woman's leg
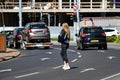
x=64, y=53
x=64, y=56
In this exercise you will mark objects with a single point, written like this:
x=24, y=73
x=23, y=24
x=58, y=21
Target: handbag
x=62, y=38
x=59, y=39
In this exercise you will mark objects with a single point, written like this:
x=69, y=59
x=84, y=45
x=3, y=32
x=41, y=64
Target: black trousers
x=64, y=48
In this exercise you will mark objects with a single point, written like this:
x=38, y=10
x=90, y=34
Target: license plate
x=38, y=44
x=94, y=40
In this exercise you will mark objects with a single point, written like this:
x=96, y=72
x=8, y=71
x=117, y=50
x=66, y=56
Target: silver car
x=37, y=32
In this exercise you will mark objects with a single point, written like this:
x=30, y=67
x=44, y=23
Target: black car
x=91, y=36
x=17, y=37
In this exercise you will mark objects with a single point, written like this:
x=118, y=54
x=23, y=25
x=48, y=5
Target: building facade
x=55, y=12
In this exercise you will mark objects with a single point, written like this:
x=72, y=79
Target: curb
x=10, y=57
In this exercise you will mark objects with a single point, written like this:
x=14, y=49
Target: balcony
x=66, y=7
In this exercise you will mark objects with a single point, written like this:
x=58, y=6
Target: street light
x=3, y=18
x=20, y=13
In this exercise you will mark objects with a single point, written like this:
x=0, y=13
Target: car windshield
x=93, y=30
x=37, y=26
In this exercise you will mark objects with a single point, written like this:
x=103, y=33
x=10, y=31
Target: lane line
x=58, y=67
x=102, y=51
x=49, y=52
x=26, y=75
x=58, y=48
x=88, y=69
x=78, y=53
x=6, y=70
x=43, y=59
x=74, y=60
x=79, y=56
x=71, y=50
x=111, y=57
x=112, y=76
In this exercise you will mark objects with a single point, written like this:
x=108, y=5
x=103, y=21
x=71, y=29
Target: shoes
x=66, y=67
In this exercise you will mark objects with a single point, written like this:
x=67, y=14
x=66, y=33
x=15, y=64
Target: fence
x=67, y=5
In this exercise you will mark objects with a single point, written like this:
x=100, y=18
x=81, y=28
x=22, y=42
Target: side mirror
x=76, y=35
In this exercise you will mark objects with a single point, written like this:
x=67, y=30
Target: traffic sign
x=75, y=6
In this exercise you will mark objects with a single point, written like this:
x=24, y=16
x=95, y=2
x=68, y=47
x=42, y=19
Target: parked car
x=17, y=37
x=111, y=32
x=8, y=33
x=91, y=36
x=37, y=32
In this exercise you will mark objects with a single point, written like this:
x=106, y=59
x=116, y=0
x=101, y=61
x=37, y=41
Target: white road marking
x=49, y=52
x=58, y=67
x=101, y=51
x=79, y=56
x=26, y=75
x=6, y=70
x=88, y=69
x=78, y=53
x=112, y=76
x=74, y=60
x=111, y=57
x=43, y=59
x=71, y=50
x=58, y=48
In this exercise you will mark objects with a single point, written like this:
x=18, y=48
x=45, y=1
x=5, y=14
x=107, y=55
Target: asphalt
x=13, y=53
x=9, y=54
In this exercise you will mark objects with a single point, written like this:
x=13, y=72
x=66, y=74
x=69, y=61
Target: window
x=108, y=30
x=93, y=30
x=38, y=26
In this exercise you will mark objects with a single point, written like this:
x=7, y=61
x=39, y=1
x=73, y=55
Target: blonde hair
x=66, y=28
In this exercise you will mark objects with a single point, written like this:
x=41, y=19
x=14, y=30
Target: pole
x=33, y=4
x=60, y=4
x=75, y=23
x=20, y=13
x=3, y=18
x=78, y=15
x=41, y=13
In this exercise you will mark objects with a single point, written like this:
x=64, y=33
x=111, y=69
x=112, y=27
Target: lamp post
x=3, y=18
x=77, y=16
x=20, y=13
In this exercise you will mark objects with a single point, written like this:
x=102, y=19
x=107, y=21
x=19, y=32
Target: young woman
x=65, y=33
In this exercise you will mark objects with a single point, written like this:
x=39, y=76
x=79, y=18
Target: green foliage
x=117, y=40
x=111, y=38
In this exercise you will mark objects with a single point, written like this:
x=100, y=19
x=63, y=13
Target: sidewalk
x=9, y=54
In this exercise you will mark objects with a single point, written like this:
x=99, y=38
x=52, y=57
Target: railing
x=65, y=5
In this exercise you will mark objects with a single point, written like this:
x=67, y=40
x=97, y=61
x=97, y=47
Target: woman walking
x=65, y=35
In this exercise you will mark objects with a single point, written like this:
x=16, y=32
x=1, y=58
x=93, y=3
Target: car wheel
x=81, y=46
x=8, y=44
x=14, y=44
x=22, y=46
x=100, y=47
x=78, y=46
x=105, y=47
x=47, y=47
x=27, y=39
